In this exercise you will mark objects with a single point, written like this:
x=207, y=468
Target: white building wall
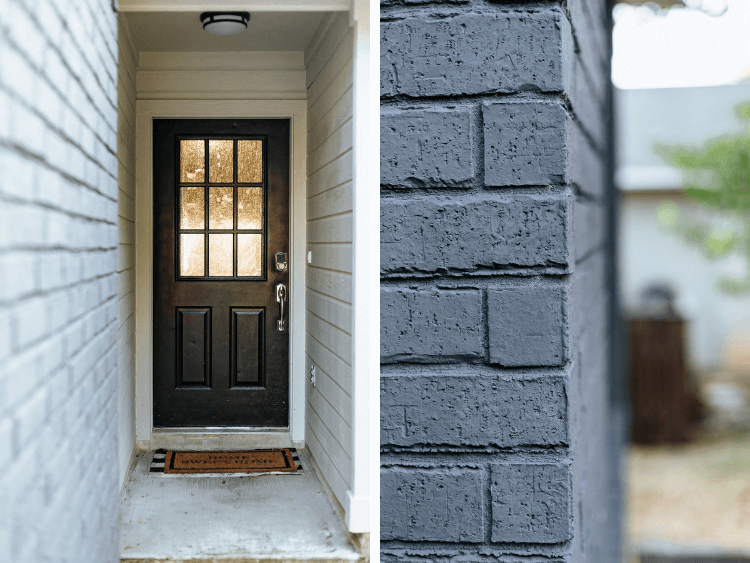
x=719, y=323
x=59, y=484
x=329, y=237
x=126, y=76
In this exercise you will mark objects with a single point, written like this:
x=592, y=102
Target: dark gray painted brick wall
x=499, y=431
x=427, y=148
x=527, y=325
x=447, y=504
x=531, y=503
x=524, y=143
x=474, y=234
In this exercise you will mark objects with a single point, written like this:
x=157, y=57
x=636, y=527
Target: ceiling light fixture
x=225, y=23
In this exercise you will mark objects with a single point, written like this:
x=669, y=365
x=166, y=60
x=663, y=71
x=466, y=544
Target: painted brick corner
x=527, y=325
x=495, y=253
x=524, y=143
x=531, y=503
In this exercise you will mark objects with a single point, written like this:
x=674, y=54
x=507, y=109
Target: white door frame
x=146, y=112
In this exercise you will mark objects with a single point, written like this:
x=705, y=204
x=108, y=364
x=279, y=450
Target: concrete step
x=197, y=519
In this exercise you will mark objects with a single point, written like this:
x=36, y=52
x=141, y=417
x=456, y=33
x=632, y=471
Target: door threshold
x=220, y=438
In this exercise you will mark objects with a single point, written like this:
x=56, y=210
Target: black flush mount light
x=225, y=23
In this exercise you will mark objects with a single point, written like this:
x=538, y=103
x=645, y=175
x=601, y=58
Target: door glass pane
x=249, y=208
x=250, y=255
x=191, y=255
x=220, y=255
x=249, y=161
x=191, y=208
x=192, y=160
x=220, y=208
x=221, y=162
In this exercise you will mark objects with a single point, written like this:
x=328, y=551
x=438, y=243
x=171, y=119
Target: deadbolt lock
x=281, y=263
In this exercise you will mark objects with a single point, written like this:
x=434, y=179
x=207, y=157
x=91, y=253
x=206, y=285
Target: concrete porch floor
x=267, y=518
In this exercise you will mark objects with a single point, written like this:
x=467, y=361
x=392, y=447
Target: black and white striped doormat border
x=157, y=468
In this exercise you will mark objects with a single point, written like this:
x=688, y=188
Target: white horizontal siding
x=329, y=239
x=222, y=76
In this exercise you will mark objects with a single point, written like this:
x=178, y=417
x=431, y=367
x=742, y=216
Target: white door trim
x=366, y=282
x=146, y=111
x=234, y=5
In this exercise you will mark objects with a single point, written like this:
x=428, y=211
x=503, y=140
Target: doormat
x=230, y=463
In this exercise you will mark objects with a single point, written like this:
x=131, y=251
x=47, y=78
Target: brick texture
x=472, y=410
x=527, y=326
x=498, y=52
x=473, y=234
x=59, y=487
x=437, y=504
x=524, y=143
x=430, y=326
x=499, y=427
x=531, y=503
x=441, y=139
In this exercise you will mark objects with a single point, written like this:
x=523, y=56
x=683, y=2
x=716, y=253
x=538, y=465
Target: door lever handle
x=281, y=299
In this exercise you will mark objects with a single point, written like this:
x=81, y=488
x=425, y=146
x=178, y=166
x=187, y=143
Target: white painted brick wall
x=126, y=249
x=60, y=281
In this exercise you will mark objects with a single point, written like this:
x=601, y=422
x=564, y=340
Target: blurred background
x=681, y=71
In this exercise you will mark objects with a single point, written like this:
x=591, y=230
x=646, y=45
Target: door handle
x=281, y=298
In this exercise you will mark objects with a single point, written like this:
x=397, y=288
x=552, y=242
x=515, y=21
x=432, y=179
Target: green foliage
x=717, y=177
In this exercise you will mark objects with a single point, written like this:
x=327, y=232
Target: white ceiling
x=183, y=32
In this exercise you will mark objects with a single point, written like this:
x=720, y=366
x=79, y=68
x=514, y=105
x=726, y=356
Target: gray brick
x=440, y=504
x=472, y=410
x=589, y=227
x=527, y=326
x=585, y=165
x=427, y=148
x=590, y=279
x=531, y=503
x=524, y=143
x=473, y=233
x=430, y=325
x=586, y=102
x=472, y=54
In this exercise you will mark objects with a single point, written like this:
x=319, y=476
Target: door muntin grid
x=201, y=235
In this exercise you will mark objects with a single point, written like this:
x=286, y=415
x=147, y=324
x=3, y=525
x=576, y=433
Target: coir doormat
x=281, y=461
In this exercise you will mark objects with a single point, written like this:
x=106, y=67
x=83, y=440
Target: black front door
x=221, y=277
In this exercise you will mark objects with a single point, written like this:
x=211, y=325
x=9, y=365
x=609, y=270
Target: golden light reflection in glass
x=250, y=161
x=192, y=206
x=220, y=210
x=220, y=255
x=192, y=160
x=191, y=255
x=221, y=162
x=250, y=255
x=249, y=208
